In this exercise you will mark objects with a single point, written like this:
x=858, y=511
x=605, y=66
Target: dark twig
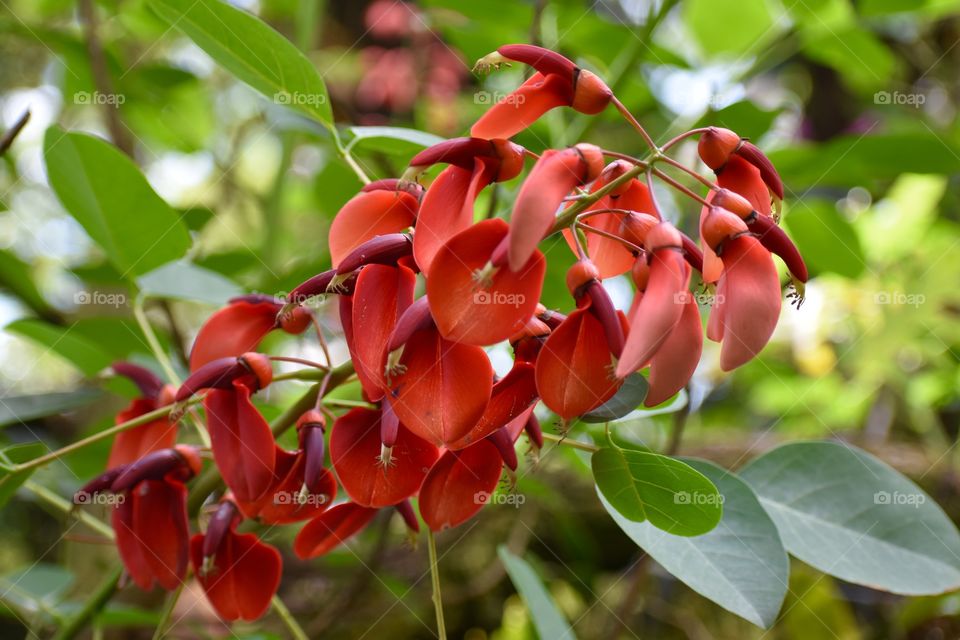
x=10, y=134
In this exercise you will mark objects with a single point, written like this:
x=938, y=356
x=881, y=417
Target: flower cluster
x=436, y=423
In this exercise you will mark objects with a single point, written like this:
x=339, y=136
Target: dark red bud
x=100, y=484
x=603, y=310
x=776, y=241
x=311, y=430
x=749, y=152
x=220, y=374
x=532, y=427
x=393, y=184
x=218, y=527
x=389, y=424
x=692, y=253
x=551, y=318
x=463, y=152
x=501, y=440
x=409, y=517
x=543, y=60
x=415, y=318
x=385, y=249
x=147, y=382
x=181, y=462
x=319, y=285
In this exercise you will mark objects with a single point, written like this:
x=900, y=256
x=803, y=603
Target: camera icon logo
x=482, y=297
x=482, y=97
x=882, y=97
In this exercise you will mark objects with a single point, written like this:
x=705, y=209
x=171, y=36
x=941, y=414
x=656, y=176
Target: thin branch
x=10, y=134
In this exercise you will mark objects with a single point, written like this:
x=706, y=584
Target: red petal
x=233, y=331
x=369, y=214
x=573, y=369
x=551, y=179
x=354, y=448
x=243, y=578
x=511, y=397
x=523, y=107
x=741, y=177
x=330, y=528
x=445, y=388
x=658, y=312
x=242, y=443
x=448, y=208
x=380, y=297
x=152, y=537
x=283, y=504
x=133, y=444
x=477, y=313
x=459, y=484
x=677, y=358
x=712, y=264
x=751, y=307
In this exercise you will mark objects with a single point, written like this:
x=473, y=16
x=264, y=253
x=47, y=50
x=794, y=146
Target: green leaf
x=81, y=352
x=13, y=455
x=549, y=622
x=729, y=27
x=19, y=409
x=627, y=398
x=397, y=140
x=183, y=280
x=848, y=514
x=671, y=495
x=741, y=565
x=827, y=242
x=252, y=51
x=862, y=59
x=16, y=276
x=36, y=589
x=106, y=193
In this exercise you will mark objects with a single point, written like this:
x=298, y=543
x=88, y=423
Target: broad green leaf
x=106, y=193
x=862, y=59
x=741, y=565
x=549, y=622
x=252, y=51
x=16, y=276
x=627, y=398
x=848, y=514
x=13, y=455
x=36, y=589
x=17, y=409
x=81, y=352
x=184, y=280
x=645, y=486
x=826, y=240
x=729, y=27
x=391, y=139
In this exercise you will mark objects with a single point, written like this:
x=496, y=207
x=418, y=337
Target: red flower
x=161, y=433
x=557, y=83
x=239, y=573
x=381, y=207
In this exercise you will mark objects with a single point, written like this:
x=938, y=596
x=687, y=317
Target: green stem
x=344, y=153
x=168, y=611
x=435, y=580
x=288, y=620
x=74, y=625
x=565, y=441
x=64, y=506
x=569, y=214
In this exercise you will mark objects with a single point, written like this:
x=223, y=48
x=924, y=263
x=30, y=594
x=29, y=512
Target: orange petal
x=354, y=451
x=369, y=214
x=523, y=107
x=380, y=297
x=751, y=306
x=459, y=484
x=445, y=388
x=573, y=369
x=330, y=528
x=448, y=208
x=481, y=313
x=712, y=264
x=551, y=179
x=241, y=440
x=677, y=358
x=232, y=331
x=658, y=311
x=243, y=577
x=741, y=177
